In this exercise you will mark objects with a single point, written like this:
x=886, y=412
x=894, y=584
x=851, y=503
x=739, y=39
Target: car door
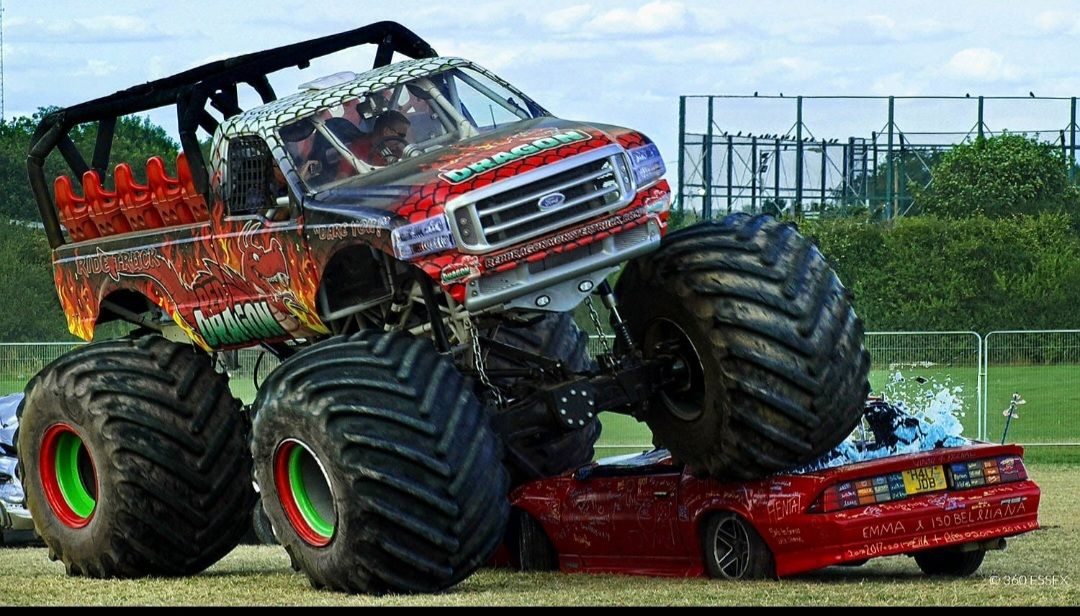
x=272, y=280
x=619, y=513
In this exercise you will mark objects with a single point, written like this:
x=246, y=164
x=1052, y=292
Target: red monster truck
x=410, y=241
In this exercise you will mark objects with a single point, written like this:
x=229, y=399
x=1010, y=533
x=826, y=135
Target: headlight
x=422, y=238
x=646, y=165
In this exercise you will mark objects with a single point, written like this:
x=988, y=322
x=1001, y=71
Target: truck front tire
x=768, y=352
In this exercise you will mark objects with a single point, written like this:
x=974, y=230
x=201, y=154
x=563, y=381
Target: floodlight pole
x=889, y=163
x=682, y=151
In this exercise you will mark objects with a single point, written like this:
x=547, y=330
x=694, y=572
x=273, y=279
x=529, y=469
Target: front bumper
x=558, y=276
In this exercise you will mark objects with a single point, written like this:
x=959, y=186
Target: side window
x=252, y=187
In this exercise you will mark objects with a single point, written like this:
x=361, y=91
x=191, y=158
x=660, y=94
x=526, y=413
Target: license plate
x=925, y=479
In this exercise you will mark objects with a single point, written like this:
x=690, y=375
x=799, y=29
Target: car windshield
x=366, y=134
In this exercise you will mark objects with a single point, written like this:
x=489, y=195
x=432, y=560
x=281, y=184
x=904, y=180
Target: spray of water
x=915, y=415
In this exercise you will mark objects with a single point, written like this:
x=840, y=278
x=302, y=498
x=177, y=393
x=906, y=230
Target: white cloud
x=895, y=84
x=1055, y=21
x=96, y=68
x=980, y=64
x=566, y=19
x=652, y=18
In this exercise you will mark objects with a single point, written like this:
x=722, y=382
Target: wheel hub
x=305, y=493
x=685, y=396
x=68, y=477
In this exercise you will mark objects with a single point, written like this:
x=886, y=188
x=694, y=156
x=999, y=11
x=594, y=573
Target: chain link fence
x=1041, y=368
x=1041, y=371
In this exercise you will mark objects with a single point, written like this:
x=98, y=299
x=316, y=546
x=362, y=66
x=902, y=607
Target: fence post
x=1072, y=139
x=754, y=174
x=889, y=164
x=706, y=208
x=730, y=168
x=682, y=150
x=797, y=208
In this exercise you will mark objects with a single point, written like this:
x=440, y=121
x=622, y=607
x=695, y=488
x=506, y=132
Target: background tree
x=1000, y=176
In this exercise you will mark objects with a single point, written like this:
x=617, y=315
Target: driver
x=387, y=141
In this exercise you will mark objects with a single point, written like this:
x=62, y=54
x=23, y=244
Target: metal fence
x=1042, y=368
x=848, y=154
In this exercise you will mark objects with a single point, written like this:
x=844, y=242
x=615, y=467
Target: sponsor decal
x=116, y=263
x=484, y=165
x=238, y=324
x=464, y=271
x=563, y=238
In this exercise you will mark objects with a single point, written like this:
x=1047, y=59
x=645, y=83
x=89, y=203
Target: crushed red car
x=648, y=514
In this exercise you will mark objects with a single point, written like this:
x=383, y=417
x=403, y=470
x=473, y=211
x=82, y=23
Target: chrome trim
x=464, y=203
x=609, y=255
x=499, y=228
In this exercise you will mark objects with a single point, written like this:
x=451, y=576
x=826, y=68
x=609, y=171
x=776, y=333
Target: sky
x=623, y=63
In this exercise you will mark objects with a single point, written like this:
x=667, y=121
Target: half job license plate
x=925, y=479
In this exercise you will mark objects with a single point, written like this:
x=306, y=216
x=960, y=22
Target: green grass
x=261, y=576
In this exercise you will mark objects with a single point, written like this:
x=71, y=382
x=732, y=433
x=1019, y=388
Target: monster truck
x=418, y=288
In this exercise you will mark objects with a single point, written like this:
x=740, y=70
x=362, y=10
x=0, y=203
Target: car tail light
x=911, y=482
x=988, y=472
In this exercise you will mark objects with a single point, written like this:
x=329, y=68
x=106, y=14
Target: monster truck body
x=411, y=242
x=530, y=213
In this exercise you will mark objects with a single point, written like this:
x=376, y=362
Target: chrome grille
x=510, y=212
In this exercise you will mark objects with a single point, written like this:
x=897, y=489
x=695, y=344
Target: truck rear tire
x=773, y=372
x=536, y=443
x=377, y=466
x=135, y=460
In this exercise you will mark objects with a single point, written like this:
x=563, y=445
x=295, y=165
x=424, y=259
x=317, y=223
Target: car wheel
x=533, y=548
x=949, y=562
x=734, y=550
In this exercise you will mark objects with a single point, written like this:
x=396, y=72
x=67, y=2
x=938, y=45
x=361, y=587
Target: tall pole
x=889, y=164
x=981, y=118
x=730, y=169
x=798, y=157
x=754, y=174
x=1072, y=139
x=824, y=165
x=682, y=151
x=3, y=117
x=706, y=209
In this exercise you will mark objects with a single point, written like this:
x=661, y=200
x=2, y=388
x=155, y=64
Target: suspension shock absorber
x=607, y=295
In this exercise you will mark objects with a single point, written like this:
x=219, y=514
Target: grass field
x=1039, y=568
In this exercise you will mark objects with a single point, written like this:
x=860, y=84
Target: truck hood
x=462, y=167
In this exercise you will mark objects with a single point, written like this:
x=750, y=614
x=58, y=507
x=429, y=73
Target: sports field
x=1039, y=568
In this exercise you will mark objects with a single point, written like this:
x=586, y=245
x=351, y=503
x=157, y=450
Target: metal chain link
x=595, y=316
x=478, y=361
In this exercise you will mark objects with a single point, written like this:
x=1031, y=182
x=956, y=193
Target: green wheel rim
x=311, y=515
x=70, y=456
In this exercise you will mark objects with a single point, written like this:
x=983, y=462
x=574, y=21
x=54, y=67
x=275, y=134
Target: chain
x=595, y=316
x=478, y=360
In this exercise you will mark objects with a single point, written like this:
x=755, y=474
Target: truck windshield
x=372, y=132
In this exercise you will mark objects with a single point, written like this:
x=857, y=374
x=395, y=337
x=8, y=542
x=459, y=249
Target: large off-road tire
x=135, y=460
x=773, y=369
x=377, y=466
x=536, y=444
x=949, y=562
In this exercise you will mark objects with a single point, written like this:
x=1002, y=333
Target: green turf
x=1038, y=568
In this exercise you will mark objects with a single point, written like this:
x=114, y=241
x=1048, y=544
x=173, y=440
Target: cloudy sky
x=616, y=62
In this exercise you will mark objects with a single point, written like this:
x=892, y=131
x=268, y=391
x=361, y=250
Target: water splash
x=926, y=417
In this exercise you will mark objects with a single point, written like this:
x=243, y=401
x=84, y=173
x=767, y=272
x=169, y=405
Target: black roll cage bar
x=213, y=84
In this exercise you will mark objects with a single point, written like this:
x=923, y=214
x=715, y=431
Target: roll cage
x=194, y=92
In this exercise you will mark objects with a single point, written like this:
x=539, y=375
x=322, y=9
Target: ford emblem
x=551, y=201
